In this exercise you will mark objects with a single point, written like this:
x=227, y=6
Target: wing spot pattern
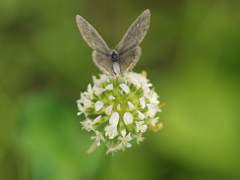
x=103, y=69
x=129, y=66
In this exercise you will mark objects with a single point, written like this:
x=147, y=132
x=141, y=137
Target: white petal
x=97, y=119
x=111, y=148
x=128, y=137
x=104, y=77
x=79, y=113
x=98, y=90
x=123, y=133
x=109, y=87
x=118, y=107
x=141, y=116
x=109, y=110
x=114, y=119
x=81, y=99
x=128, y=144
x=125, y=88
x=79, y=105
x=96, y=81
x=145, y=89
x=120, y=91
x=111, y=98
x=127, y=118
x=130, y=105
x=90, y=91
x=134, y=81
x=98, y=105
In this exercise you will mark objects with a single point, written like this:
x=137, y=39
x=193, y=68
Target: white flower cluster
x=119, y=109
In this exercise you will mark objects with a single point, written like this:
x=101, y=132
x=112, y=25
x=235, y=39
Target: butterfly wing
x=128, y=49
x=129, y=59
x=91, y=36
x=135, y=34
x=103, y=62
x=95, y=41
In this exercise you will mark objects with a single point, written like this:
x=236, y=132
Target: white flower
x=87, y=103
x=151, y=110
x=124, y=140
x=98, y=137
x=138, y=79
x=153, y=121
x=125, y=88
x=139, y=138
x=81, y=100
x=111, y=131
x=98, y=105
x=80, y=108
x=114, y=119
x=119, y=109
x=111, y=148
x=88, y=125
x=96, y=81
x=142, y=102
x=127, y=118
x=140, y=126
x=90, y=91
x=153, y=97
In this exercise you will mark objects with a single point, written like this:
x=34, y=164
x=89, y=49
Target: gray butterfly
x=116, y=62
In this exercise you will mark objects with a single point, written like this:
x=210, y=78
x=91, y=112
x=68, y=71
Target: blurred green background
x=191, y=54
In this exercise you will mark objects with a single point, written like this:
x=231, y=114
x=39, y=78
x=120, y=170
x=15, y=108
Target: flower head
x=119, y=110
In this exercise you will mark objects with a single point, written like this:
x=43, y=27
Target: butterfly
x=126, y=54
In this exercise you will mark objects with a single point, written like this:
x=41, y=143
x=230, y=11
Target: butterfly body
x=122, y=60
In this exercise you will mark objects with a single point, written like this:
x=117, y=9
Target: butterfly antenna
x=116, y=46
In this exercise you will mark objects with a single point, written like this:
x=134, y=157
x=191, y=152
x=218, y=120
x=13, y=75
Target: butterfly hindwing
x=129, y=59
x=103, y=62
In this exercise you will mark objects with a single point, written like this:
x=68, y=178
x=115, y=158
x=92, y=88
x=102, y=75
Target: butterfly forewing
x=91, y=36
x=136, y=32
